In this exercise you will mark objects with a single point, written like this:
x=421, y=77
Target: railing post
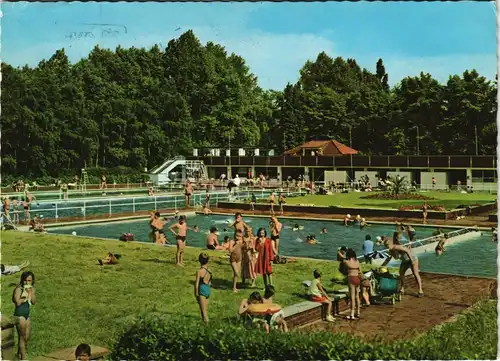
x=216, y=200
x=110, y=207
x=84, y=209
x=57, y=216
x=133, y=205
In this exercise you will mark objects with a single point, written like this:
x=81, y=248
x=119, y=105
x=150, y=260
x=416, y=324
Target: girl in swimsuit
x=408, y=260
x=248, y=264
x=354, y=281
x=202, y=286
x=23, y=297
x=180, y=236
x=235, y=257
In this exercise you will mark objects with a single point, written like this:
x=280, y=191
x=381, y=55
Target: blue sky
x=274, y=38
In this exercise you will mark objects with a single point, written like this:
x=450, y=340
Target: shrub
x=472, y=336
x=400, y=196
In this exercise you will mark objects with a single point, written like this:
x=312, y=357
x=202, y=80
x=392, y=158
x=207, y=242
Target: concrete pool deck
x=470, y=221
x=446, y=296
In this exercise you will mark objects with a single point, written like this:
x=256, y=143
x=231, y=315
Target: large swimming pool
x=105, y=206
x=476, y=257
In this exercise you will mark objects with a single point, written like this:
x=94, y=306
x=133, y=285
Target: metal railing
x=120, y=205
x=429, y=240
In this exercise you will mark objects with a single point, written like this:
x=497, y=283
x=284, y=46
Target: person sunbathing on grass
x=110, y=259
x=10, y=270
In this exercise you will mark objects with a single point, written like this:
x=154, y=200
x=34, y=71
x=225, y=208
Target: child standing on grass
x=202, y=286
x=180, y=237
x=318, y=294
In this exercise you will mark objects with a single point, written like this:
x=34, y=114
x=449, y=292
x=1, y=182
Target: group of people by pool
x=14, y=203
x=249, y=255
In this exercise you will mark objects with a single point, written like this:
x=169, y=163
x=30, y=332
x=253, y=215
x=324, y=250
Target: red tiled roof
x=329, y=147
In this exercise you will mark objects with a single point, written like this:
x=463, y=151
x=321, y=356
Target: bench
x=307, y=312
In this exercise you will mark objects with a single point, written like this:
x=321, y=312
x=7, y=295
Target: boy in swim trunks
x=188, y=190
x=180, y=237
x=318, y=294
x=202, y=286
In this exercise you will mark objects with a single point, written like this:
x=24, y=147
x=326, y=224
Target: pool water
x=476, y=257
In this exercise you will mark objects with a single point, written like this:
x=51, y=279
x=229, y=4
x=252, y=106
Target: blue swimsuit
x=204, y=288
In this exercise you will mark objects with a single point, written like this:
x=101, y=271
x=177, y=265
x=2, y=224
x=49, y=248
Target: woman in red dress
x=266, y=251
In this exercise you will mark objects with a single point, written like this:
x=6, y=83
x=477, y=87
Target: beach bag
x=343, y=268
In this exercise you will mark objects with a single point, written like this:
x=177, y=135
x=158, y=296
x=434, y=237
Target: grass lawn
x=353, y=199
x=80, y=301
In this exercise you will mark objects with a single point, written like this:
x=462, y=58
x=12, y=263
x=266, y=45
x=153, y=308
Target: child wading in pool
x=180, y=237
x=202, y=286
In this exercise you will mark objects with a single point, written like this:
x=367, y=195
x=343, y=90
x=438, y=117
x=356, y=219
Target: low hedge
x=472, y=336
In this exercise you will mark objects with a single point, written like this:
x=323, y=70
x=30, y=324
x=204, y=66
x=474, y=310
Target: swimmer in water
x=323, y=230
x=296, y=227
x=196, y=229
x=363, y=223
x=347, y=219
x=311, y=239
x=440, y=247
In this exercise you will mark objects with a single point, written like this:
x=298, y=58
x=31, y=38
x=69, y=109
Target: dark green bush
x=473, y=336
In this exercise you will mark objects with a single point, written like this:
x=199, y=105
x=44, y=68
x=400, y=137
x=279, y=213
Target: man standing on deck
x=188, y=190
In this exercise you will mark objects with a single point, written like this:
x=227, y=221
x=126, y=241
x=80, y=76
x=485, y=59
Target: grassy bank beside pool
x=80, y=301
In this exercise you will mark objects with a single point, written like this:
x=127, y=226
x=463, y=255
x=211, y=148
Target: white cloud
x=440, y=67
x=275, y=58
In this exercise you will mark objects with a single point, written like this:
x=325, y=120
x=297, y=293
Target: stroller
x=386, y=286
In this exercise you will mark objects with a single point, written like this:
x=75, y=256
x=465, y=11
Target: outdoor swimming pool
x=477, y=257
x=87, y=207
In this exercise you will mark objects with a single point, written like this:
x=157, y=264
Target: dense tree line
x=135, y=107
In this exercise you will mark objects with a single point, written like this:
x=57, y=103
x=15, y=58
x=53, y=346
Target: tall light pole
x=475, y=136
x=418, y=141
